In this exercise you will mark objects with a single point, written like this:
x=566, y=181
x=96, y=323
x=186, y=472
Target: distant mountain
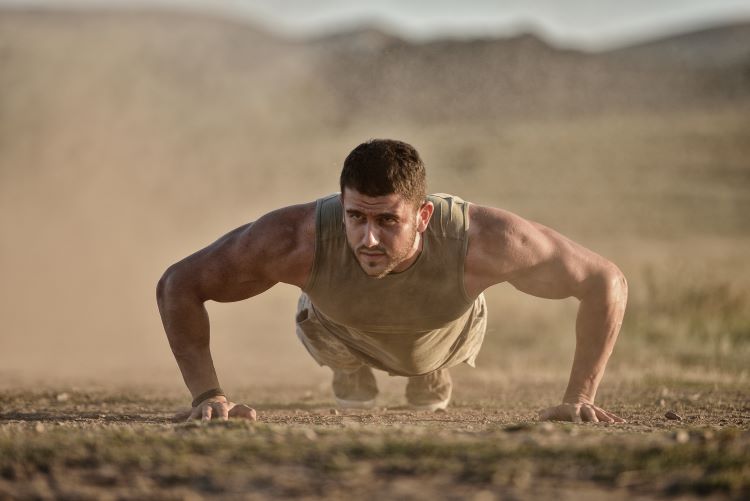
x=344, y=77
x=712, y=47
x=372, y=72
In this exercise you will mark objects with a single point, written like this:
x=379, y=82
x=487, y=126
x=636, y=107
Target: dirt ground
x=66, y=443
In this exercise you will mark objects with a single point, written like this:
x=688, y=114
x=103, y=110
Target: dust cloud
x=128, y=140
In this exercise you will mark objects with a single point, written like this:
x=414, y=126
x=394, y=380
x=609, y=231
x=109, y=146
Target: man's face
x=383, y=232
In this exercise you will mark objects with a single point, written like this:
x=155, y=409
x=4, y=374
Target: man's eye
x=389, y=220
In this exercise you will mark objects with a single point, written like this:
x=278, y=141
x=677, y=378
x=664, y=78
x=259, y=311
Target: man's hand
x=221, y=408
x=578, y=413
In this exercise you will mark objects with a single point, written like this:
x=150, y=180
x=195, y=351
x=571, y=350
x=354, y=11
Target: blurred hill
x=523, y=77
x=131, y=138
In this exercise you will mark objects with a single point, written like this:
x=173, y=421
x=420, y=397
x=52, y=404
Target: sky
x=592, y=24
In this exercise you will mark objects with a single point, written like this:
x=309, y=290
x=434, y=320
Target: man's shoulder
x=497, y=245
x=293, y=224
x=492, y=222
x=284, y=239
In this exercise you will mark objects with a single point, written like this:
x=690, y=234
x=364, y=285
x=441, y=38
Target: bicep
x=252, y=258
x=553, y=267
x=222, y=271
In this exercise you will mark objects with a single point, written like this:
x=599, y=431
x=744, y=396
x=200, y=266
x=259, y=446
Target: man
x=392, y=279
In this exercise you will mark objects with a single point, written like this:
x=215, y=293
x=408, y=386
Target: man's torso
x=414, y=321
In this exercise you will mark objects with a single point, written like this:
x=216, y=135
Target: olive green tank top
x=408, y=323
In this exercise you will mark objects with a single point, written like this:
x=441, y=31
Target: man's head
x=385, y=207
x=385, y=166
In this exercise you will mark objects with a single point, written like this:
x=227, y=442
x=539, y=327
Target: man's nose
x=371, y=237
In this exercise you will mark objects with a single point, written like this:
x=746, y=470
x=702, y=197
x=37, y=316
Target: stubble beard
x=393, y=259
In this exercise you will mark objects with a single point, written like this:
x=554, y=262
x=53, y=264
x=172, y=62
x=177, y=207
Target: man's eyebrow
x=388, y=214
x=379, y=214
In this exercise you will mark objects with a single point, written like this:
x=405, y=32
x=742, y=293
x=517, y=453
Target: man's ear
x=424, y=215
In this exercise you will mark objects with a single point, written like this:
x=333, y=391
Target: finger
x=207, y=411
x=223, y=410
x=243, y=411
x=603, y=415
x=610, y=417
x=194, y=414
x=588, y=414
x=575, y=414
x=615, y=417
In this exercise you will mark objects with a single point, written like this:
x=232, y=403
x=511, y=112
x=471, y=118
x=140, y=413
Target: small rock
x=310, y=434
x=662, y=403
x=39, y=428
x=440, y=411
x=681, y=436
x=63, y=397
x=334, y=412
x=673, y=416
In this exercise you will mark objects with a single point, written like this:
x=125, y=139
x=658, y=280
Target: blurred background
x=134, y=133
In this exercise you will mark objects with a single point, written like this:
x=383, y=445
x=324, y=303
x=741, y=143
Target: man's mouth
x=372, y=254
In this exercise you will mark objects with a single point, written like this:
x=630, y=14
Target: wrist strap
x=213, y=392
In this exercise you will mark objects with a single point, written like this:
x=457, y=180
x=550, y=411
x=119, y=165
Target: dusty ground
x=110, y=444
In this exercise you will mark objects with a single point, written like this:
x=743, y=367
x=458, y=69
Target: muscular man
x=392, y=279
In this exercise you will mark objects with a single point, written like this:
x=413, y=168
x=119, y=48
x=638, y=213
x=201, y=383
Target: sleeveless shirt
x=407, y=323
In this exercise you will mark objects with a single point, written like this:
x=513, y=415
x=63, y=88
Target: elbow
x=615, y=284
x=173, y=283
x=607, y=283
x=164, y=284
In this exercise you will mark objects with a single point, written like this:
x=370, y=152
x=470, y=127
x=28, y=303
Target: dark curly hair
x=385, y=166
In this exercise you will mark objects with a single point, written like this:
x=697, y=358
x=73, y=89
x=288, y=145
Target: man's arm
x=504, y=247
x=278, y=247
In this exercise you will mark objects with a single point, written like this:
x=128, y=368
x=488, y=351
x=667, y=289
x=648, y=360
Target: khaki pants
x=328, y=350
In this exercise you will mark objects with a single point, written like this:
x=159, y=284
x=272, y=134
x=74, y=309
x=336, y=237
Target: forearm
x=597, y=327
x=187, y=327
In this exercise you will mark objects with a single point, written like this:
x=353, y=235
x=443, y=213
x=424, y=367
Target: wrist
x=212, y=393
x=577, y=398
